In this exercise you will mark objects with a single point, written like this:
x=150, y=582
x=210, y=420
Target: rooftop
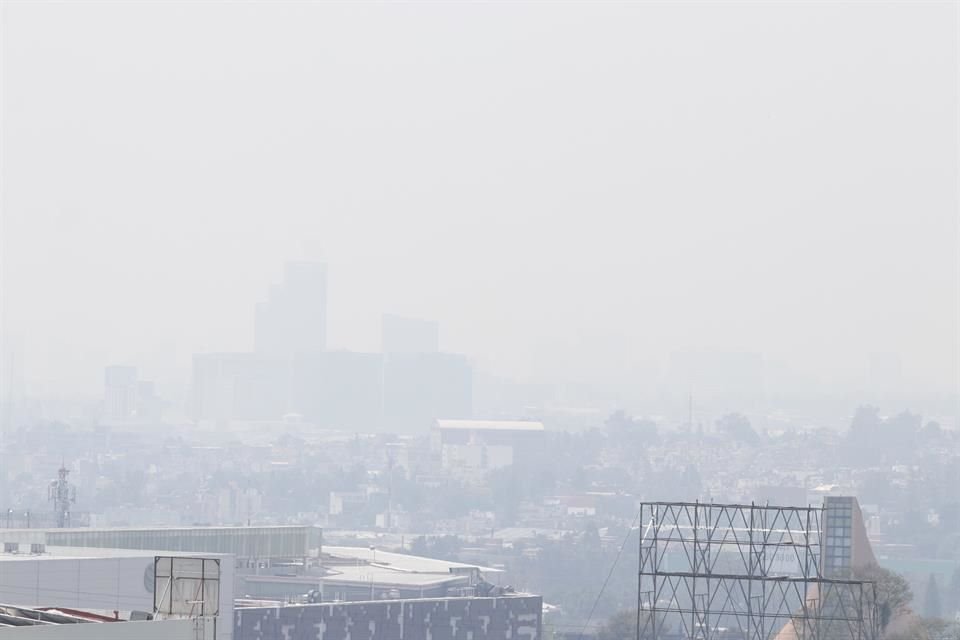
x=491, y=425
x=289, y=541
x=365, y=575
x=198, y=529
x=87, y=553
x=399, y=562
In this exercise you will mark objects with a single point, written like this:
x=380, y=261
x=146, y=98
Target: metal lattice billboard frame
x=710, y=571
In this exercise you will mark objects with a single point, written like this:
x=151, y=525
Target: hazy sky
x=572, y=189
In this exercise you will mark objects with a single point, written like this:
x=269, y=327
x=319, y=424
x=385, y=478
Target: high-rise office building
x=334, y=389
x=293, y=320
x=419, y=388
x=126, y=397
x=291, y=372
x=339, y=389
x=240, y=386
x=120, y=392
x=409, y=335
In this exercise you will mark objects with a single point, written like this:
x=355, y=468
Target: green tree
x=865, y=434
x=623, y=625
x=866, y=423
x=939, y=629
x=927, y=629
x=955, y=590
x=893, y=592
x=931, y=599
x=737, y=427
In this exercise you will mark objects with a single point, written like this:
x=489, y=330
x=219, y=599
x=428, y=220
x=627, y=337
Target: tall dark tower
x=62, y=494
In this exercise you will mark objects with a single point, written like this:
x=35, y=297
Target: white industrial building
x=473, y=447
x=208, y=583
x=113, y=570
x=117, y=582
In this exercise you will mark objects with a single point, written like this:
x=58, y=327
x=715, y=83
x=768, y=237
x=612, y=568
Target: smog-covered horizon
x=480, y=320
x=601, y=196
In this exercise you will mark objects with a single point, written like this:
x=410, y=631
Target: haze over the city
x=573, y=191
x=537, y=320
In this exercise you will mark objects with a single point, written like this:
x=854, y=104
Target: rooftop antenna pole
x=62, y=494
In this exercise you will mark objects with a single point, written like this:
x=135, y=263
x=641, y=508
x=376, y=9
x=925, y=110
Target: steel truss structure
x=743, y=572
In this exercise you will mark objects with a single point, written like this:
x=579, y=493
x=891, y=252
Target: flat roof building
x=256, y=543
x=107, y=580
x=470, y=448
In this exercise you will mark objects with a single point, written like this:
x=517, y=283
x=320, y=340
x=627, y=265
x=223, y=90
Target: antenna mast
x=62, y=494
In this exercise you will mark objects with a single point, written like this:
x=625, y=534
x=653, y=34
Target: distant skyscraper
x=127, y=397
x=240, y=386
x=419, y=388
x=409, y=335
x=294, y=317
x=120, y=392
x=339, y=389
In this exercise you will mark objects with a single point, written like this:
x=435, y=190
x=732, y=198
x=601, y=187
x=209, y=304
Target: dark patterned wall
x=504, y=618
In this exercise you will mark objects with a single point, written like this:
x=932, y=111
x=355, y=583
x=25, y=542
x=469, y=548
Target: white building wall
x=108, y=584
x=475, y=456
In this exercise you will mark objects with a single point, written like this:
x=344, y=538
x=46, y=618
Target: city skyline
x=632, y=320
x=714, y=373
x=576, y=235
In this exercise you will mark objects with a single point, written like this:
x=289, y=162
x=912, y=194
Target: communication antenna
x=62, y=494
